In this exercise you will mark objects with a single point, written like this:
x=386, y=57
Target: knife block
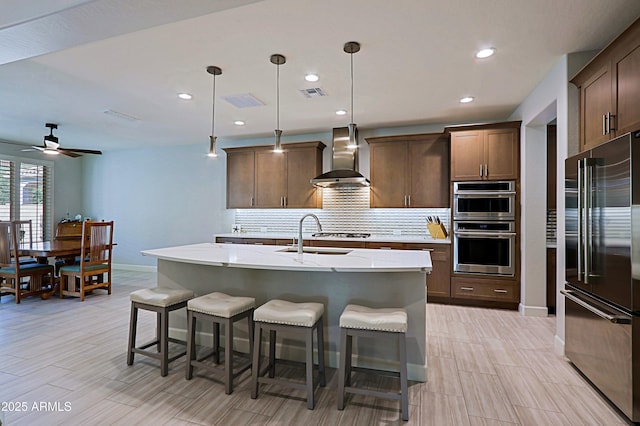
x=437, y=231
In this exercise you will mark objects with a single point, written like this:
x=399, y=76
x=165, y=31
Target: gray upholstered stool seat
x=359, y=320
x=219, y=308
x=292, y=318
x=161, y=301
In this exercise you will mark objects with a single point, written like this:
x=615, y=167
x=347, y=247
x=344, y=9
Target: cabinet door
x=466, y=155
x=270, y=179
x=628, y=89
x=240, y=179
x=501, y=154
x=595, y=102
x=302, y=166
x=439, y=280
x=388, y=174
x=428, y=163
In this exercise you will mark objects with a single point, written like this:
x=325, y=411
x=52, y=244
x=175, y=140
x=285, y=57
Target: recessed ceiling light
x=466, y=99
x=185, y=96
x=311, y=77
x=239, y=123
x=341, y=112
x=485, y=53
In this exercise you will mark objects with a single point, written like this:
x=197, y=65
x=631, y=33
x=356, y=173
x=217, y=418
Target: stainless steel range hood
x=344, y=164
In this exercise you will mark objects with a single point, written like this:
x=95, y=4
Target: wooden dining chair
x=24, y=233
x=20, y=279
x=95, y=262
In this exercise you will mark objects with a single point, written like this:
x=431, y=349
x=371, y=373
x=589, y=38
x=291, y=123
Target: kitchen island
x=334, y=277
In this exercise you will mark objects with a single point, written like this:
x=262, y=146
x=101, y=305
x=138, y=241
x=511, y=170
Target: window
x=26, y=189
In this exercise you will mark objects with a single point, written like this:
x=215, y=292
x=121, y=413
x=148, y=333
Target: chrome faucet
x=300, y=229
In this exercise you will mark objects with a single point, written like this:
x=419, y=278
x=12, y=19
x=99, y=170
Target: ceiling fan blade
x=68, y=153
x=34, y=148
x=83, y=151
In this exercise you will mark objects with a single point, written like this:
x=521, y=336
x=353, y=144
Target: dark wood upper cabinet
x=610, y=90
x=240, y=178
x=409, y=171
x=489, y=153
x=257, y=177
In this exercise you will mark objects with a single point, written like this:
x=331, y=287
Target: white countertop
x=270, y=257
x=373, y=238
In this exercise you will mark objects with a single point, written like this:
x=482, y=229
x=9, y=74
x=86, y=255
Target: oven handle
x=485, y=234
x=613, y=318
x=475, y=194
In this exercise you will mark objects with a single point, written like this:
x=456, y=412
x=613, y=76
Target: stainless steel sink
x=316, y=250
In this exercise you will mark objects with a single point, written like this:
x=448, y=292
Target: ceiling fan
x=52, y=147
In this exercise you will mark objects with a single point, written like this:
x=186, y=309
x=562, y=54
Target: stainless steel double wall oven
x=484, y=227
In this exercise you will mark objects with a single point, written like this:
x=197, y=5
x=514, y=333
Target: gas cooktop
x=342, y=234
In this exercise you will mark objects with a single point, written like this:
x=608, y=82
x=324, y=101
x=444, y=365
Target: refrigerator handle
x=612, y=318
x=580, y=221
x=587, y=220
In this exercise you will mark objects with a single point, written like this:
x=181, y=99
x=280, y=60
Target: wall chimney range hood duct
x=344, y=164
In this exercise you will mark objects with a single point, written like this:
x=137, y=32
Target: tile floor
x=64, y=362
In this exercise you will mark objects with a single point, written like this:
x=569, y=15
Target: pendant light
x=278, y=60
x=352, y=47
x=214, y=71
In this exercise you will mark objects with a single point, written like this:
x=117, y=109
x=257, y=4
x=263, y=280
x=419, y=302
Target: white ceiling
x=67, y=62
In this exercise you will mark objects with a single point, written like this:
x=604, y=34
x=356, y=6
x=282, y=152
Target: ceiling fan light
x=50, y=151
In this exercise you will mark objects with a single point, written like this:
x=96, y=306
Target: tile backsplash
x=345, y=209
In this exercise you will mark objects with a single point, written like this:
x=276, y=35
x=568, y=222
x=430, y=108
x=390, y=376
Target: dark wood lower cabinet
x=485, y=291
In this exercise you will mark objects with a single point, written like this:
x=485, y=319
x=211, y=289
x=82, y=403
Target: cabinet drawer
x=439, y=253
x=503, y=291
x=344, y=244
x=386, y=246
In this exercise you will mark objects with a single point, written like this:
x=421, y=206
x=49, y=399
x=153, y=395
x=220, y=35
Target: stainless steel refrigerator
x=602, y=288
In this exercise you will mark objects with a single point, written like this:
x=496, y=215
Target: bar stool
x=221, y=309
x=368, y=322
x=162, y=301
x=294, y=318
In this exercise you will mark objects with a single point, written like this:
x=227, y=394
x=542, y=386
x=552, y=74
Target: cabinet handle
x=427, y=249
x=604, y=124
x=404, y=202
x=466, y=288
x=285, y=201
x=408, y=200
x=498, y=290
x=480, y=170
x=609, y=127
x=486, y=170
x=384, y=248
x=258, y=244
x=251, y=202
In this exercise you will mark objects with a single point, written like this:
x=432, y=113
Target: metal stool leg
x=309, y=367
x=320, y=332
x=342, y=368
x=228, y=356
x=402, y=345
x=255, y=368
x=164, y=343
x=191, y=344
x=133, y=327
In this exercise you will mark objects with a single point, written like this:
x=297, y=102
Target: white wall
x=553, y=98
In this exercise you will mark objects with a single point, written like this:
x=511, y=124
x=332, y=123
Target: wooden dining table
x=54, y=248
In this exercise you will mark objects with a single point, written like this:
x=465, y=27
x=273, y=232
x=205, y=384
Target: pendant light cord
x=278, y=97
x=213, y=107
x=351, y=56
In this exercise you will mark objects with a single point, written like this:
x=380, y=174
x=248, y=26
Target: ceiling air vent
x=120, y=115
x=314, y=92
x=243, y=100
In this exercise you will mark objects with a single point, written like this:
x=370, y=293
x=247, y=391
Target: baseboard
x=533, y=311
x=131, y=267
x=558, y=345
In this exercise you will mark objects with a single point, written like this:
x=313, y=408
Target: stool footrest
x=372, y=392
x=282, y=382
x=238, y=369
x=376, y=371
